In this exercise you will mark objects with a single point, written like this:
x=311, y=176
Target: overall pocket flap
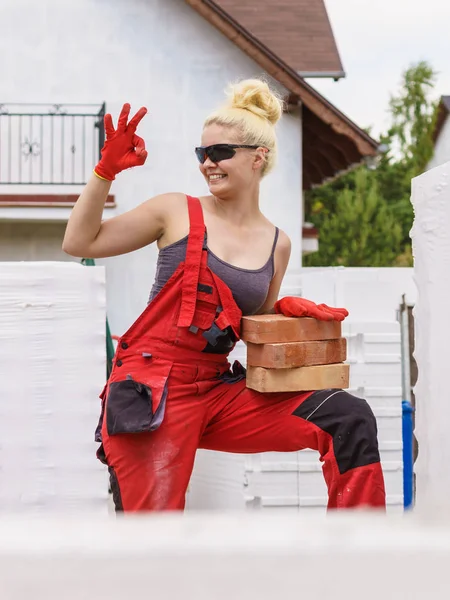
x=129, y=407
x=203, y=319
x=137, y=404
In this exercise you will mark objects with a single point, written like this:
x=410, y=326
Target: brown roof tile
x=298, y=31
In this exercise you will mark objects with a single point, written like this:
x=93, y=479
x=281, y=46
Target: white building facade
x=157, y=53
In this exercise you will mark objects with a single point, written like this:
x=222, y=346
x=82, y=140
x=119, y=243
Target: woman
x=171, y=390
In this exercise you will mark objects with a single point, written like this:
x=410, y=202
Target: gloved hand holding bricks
x=292, y=306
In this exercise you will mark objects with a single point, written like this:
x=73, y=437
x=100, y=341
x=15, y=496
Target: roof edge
x=324, y=74
x=285, y=75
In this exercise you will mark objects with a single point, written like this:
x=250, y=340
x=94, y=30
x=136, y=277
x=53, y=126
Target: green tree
x=409, y=141
x=408, y=148
x=360, y=231
x=414, y=116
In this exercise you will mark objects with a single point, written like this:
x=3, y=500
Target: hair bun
x=255, y=96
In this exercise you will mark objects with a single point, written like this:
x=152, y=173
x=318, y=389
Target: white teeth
x=215, y=177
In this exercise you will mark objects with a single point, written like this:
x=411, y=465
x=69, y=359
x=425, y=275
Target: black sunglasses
x=218, y=152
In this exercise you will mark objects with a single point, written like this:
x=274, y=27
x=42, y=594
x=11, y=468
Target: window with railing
x=49, y=144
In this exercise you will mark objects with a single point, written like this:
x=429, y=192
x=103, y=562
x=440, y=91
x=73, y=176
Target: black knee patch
x=115, y=489
x=350, y=422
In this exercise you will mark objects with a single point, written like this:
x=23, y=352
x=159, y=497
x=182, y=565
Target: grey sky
x=377, y=40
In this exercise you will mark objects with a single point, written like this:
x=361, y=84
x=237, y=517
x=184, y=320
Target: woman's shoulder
x=171, y=198
x=178, y=201
x=171, y=205
x=176, y=218
x=282, y=248
x=283, y=241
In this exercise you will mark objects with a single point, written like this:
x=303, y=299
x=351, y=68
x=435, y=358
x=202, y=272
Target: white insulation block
x=431, y=249
x=52, y=367
x=235, y=556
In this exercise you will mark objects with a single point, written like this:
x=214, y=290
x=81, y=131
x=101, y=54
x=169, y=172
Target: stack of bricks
x=287, y=354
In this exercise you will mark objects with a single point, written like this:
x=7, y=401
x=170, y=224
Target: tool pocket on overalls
x=204, y=315
x=129, y=407
x=137, y=404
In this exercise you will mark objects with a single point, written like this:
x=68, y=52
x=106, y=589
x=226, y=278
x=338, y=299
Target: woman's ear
x=259, y=159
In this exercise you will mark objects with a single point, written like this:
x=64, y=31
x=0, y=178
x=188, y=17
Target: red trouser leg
x=340, y=426
x=151, y=471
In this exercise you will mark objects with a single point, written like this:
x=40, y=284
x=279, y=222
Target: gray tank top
x=248, y=286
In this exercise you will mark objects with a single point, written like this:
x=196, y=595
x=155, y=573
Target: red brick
x=297, y=354
x=263, y=329
x=300, y=379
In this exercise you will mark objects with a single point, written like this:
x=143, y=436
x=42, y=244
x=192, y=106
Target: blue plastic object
x=408, y=460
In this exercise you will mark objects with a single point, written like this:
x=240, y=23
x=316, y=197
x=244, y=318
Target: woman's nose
x=209, y=163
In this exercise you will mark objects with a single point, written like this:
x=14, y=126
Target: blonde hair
x=253, y=109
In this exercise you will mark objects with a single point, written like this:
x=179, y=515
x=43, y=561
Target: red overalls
x=171, y=391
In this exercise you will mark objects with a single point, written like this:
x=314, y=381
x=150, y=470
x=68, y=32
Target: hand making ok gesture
x=123, y=149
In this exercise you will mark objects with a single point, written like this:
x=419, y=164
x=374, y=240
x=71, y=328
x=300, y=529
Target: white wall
x=51, y=316
x=442, y=147
x=431, y=249
x=32, y=241
x=158, y=53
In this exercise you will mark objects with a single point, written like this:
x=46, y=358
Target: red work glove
x=291, y=306
x=123, y=148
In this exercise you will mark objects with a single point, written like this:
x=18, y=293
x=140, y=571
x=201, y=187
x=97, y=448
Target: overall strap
x=192, y=262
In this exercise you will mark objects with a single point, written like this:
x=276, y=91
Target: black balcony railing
x=44, y=144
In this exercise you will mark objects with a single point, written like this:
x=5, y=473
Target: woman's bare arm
x=88, y=236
